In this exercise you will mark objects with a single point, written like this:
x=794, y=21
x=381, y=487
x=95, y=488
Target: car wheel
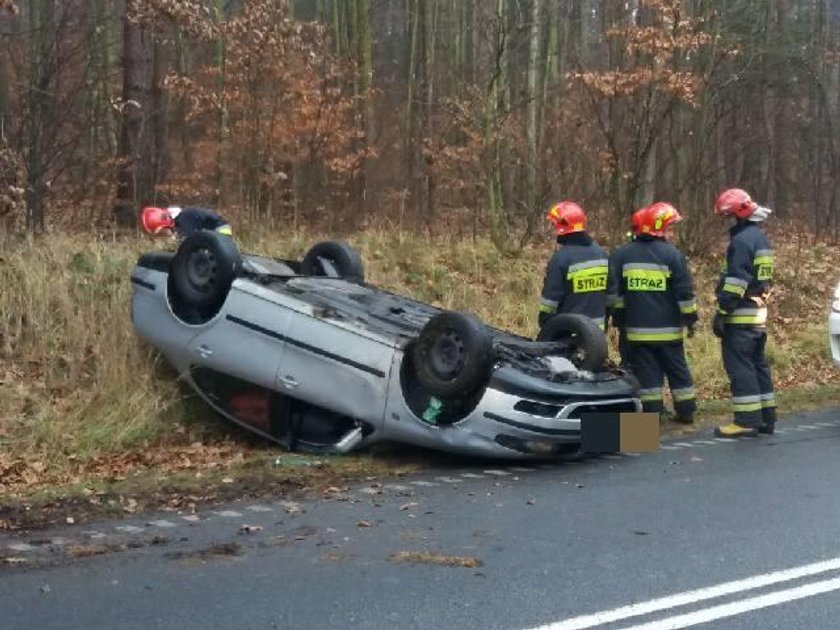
x=203, y=269
x=333, y=259
x=585, y=342
x=453, y=355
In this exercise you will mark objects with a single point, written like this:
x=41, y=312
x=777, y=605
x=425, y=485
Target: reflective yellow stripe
x=731, y=288
x=594, y=270
x=763, y=260
x=650, y=394
x=225, y=229
x=768, y=404
x=681, y=395
x=746, y=407
x=747, y=316
x=686, y=308
x=545, y=308
x=641, y=336
x=589, y=279
x=646, y=279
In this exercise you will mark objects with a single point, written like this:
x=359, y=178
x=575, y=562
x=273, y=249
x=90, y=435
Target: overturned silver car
x=307, y=354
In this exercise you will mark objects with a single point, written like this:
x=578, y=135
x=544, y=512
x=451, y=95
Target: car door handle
x=289, y=381
x=204, y=351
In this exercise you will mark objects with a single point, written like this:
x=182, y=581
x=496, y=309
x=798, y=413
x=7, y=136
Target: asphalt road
x=702, y=534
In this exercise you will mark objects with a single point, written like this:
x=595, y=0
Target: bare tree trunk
x=134, y=180
x=40, y=95
x=429, y=47
x=534, y=98
x=364, y=57
x=221, y=80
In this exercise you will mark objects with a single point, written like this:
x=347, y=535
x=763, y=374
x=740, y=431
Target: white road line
x=824, y=424
x=740, y=607
x=522, y=469
x=807, y=426
x=497, y=473
x=670, y=448
x=228, y=514
x=424, y=484
x=94, y=535
x=684, y=444
x=449, y=479
x=162, y=523
x=472, y=476
x=259, y=508
x=192, y=518
x=129, y=529
x=21, y=547
x=728, y=441
x=690, y=597
x=707, y=442
x=781, y=431
x=398, y=487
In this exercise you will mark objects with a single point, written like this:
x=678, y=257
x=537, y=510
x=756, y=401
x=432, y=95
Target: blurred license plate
x=625, y=432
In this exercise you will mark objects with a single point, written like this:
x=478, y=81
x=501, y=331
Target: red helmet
x=735, y=202
x=567, y=218
x=657, y=217
x=153, y=219
x=636, y=221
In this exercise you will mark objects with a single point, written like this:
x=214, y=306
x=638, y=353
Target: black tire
x=453, y=356
x=586, y=344
x=203, y=269
x=344, y=260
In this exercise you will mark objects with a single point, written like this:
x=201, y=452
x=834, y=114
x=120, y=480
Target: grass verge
x=89, y=414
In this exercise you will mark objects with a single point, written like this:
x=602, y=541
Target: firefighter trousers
x=651, y=363
x=750, y=381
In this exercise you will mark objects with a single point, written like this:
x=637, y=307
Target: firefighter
x=651, y=289
x=183, y=222
x=576, y=276
x=616, y=309
x=741, y=320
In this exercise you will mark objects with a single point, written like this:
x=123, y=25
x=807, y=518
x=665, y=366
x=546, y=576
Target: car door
x=332, y=364
x=246, y=340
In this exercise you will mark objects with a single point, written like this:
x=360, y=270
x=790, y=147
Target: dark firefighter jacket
x=651, y=290
x=746, y=277
x=193, y=219
x=575, y=279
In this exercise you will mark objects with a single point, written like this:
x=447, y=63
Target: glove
x=719, y=325
x=690, y=322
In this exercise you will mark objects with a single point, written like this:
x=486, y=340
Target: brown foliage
x=9, y=6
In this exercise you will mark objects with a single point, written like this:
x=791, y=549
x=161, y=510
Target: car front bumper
x=510, y=426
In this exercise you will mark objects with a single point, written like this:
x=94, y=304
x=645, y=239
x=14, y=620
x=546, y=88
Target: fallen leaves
x=439, y=559
x=84, y=551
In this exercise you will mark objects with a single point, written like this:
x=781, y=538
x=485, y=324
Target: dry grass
x=78, y=390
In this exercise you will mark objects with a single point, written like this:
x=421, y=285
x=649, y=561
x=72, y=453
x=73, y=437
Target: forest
x=453, y=116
